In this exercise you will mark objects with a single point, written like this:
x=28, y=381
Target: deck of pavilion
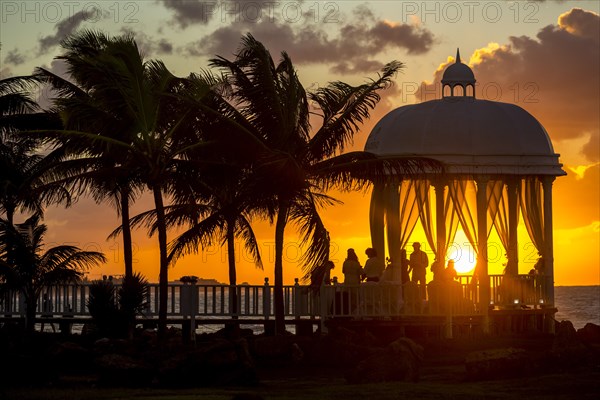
x=445, y=309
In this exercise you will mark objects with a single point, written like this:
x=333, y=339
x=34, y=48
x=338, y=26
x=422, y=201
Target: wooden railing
x=460, y=297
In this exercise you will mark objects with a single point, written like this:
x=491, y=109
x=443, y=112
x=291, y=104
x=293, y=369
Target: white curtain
x=464, y=197
x=452, y=219
x=425, y=215
x=531, y=201
x=409, y=211
x=498, y=210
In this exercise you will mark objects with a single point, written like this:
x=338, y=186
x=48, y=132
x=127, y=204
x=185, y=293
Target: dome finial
x=458, y=56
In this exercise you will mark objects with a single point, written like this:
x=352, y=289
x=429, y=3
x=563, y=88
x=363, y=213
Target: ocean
x=578, y=304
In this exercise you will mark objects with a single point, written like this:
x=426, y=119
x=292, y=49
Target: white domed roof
x=469, y=136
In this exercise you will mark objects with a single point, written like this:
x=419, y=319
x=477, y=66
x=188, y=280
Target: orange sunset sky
x=540, y=55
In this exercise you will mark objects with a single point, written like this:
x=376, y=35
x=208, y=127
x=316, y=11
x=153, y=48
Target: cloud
x=66, y=27
x=5, y=73
x=190, y=12
x=148, y=45
x=359, y=40
x=580, y=183
x=14, y=57
x=554, y=76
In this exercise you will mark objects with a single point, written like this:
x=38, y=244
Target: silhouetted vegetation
x=216, y=150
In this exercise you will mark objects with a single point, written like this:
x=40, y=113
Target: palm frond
x=344, y=108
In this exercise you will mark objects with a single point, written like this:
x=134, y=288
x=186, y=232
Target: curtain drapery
x=531, y=201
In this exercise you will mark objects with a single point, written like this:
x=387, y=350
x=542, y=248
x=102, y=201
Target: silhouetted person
x=373, y=266
x=437, y=268
x=539, y=266
x=392, y=272
x=404, y=276
x=352, y=269
x=450, y=273
x=321, y=275
x=418, y=264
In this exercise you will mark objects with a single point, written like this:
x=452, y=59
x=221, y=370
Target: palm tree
x=223, y=217
x=300, y=163
x=152, y=135
x=32, y=268
x=94, y=168
x=22, y=168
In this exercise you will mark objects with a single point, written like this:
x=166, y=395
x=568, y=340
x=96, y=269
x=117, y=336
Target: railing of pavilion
x=256, y=301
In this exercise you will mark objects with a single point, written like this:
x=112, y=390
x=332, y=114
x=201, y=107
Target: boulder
x=589, y=334
x=71, y=357
x=568, y=350
x=566, y=338
x=497, y=363
x=399, y=361
x=122, y=370
x=220, y=362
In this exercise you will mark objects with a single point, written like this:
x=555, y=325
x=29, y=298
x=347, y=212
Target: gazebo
x=499, y=165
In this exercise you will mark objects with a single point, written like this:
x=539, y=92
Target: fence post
x=269, y=325
x=297, y=299
x=194, y=309
x=266, y=299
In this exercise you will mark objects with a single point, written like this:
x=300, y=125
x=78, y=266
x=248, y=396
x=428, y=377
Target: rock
x=568, y=350
x=399, y=361
x=589, y=334
x=69, y=356
x=297, y=353
x=496, y=363
x=566, y=338
x=272, y=347
x=117, y=369
x=219, y=362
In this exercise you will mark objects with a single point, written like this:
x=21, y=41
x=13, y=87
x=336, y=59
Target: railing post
x=193, y=306
x=297, y=299
x=268, y=326
x=266, y=299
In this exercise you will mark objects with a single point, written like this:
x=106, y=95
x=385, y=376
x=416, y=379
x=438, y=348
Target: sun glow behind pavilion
x=499, y=164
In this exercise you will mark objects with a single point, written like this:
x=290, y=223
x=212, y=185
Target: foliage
x=29, y=268
x=114, y=310
x=297, y=164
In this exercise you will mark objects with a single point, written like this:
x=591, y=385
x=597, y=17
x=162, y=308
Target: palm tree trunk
x=278, y=288
x=163, y=277
x=232, y=272
x=10, y=215
x=127, y=250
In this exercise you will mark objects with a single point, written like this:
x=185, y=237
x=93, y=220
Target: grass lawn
x=556, y=386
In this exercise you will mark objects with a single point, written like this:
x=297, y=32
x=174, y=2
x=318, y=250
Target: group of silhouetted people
x=404, y=270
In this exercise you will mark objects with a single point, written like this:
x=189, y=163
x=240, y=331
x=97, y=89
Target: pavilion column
x=376, y=219
x=482, y=245
x=392, y=220
x=440, y=221
x=440, y=226
x=548, y=251
x=512, y=253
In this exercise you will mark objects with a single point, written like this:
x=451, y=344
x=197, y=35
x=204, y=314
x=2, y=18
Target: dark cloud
x=591, y=150
x=14, y=57
x=190, y=12
x=358, y=41
x=66, y=27
x=554, y=76
x=5, y=72
x=149, y=46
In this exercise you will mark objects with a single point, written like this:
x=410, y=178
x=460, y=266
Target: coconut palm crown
x=300, y=163
x=32, y=267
